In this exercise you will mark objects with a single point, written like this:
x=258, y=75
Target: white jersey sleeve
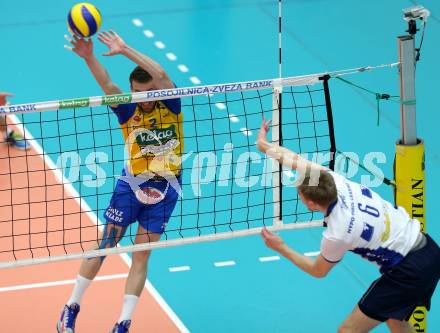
x=332, y=249
x=362, y=222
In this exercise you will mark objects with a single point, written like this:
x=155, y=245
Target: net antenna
x=280, y=39
x=277, y=134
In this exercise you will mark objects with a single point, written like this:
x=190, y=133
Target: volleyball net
x=53, y=196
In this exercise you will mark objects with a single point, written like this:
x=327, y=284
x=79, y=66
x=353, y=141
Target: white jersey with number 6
x=362, y=222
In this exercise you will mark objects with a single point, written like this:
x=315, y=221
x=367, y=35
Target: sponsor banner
x=74, y=103
x=116, y=99
x=138, y=97
x=216, y=89
x=21, y=108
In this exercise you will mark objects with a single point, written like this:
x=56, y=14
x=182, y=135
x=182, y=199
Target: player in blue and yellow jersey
x=149, y=188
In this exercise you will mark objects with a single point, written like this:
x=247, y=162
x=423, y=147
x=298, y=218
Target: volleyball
x=84, y=19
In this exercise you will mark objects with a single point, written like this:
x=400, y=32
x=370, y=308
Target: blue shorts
x=406, y=285
x=151, y=206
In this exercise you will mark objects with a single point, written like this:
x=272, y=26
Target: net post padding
x=410, y=194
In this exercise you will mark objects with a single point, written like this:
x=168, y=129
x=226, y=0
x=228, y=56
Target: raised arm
x=283, y=155
x=117, y=45
x=84, y=48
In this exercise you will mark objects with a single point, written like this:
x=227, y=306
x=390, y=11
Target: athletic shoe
x=121, y=327
x=16, y=140
x=66, y=323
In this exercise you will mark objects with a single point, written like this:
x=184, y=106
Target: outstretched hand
x=81, y=46
x=272, y=241
x=3, y=97
x=264, y=129
x=115, y=43
x=262, y=134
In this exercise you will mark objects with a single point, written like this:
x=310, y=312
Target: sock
x=130, y=302
x=78, y=291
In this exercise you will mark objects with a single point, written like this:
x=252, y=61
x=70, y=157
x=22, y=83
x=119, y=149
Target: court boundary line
x=93, y=217
x=58, y=283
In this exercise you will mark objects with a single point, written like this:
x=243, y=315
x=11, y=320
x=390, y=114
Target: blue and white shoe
x=17, y=141
x=121, y=327
x=66, y=324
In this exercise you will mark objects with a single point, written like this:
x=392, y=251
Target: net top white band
x=180, y=92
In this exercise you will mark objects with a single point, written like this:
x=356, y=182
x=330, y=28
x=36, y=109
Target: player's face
x=145, y=86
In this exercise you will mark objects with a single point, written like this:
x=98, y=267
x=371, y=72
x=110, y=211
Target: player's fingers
x=114, y=34
x=106, y=34
x=67, y=37
x=70, y=40
x=103, y=39
x=76, y=38
x=67, y=47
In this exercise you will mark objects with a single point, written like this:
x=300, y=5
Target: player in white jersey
x=359, y=220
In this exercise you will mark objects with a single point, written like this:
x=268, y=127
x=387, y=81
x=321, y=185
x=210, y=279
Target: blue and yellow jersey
x=154, y=139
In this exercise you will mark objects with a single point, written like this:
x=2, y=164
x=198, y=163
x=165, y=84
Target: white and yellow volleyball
x=84, y=19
